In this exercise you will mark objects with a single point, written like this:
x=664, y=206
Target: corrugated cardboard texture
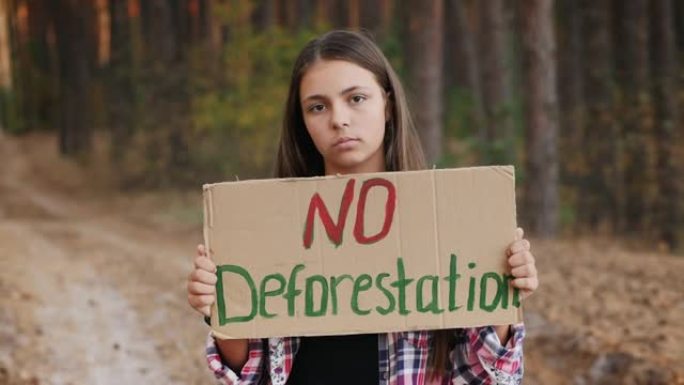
x=259, y=226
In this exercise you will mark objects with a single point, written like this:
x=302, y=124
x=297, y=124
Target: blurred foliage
x=239, y=122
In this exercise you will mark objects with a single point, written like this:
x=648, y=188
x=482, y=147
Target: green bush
x=238, y=123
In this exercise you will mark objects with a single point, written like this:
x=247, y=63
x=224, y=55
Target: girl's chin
x=352, y=166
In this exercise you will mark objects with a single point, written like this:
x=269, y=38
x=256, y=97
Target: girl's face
x=344, y=110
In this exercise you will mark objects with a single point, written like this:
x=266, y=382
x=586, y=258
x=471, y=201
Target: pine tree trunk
x=353, y=19
x=600, y=189
x=424, y=60
x=541, y=113
x=461, y=60
x=264, y=15
x=167, y=148
x=370, y=18
x=322, y=12
x=71, y=32
x=570, y=91
x=637, y=160
x=5, y=58
x=668, y=127
x=121, y=88
x=7, y=109
x=496, y=136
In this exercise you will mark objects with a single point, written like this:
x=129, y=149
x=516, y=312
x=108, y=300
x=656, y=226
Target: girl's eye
x=316, y=108
x=356, y=99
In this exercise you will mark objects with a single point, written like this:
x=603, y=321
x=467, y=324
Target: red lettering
x=334, y=231
x=361, y=210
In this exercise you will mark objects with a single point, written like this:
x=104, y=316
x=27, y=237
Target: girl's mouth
x=345, y=142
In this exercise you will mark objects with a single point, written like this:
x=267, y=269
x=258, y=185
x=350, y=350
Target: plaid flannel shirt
x=477, y=358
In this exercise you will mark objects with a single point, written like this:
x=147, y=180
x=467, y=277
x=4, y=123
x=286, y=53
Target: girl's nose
x=340, y=117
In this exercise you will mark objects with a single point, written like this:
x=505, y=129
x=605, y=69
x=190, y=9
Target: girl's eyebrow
x=345, y=91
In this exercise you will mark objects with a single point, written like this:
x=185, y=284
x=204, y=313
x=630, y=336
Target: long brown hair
x=298, y=157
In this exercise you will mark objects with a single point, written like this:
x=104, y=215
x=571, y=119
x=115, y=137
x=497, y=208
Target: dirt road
x=93, y=291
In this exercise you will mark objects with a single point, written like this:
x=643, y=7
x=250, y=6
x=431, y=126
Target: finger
x=199, y=288
x=203, y=276
x=201, y=303
x=518, y=246
x=206, y=264
x=529, y=283
x=524, y=271
x=200, y=300
x=521, y=258
x=202, y=251
x=519, y=233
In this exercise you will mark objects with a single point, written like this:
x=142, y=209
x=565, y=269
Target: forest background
x=111, y=109
x=584, y=97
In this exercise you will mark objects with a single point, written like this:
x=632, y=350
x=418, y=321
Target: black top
x=330, y=360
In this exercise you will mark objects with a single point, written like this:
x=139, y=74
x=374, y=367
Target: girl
x=346, y=113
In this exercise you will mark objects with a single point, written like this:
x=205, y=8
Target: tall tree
x=295, y=14
x=5, y=65
x=635, y=166
x=76, y=58
x=215, y=25
x=169, y=100
x=354, y=14
x=373, y=17
x=121, y=83
x=322, y=12
x=668, y=125
x=462, y=68
x=678, y=12
x=497, y=134
x=386, y=8
x=541, y=113
x=5, y=58
x=598, y=197
x=570, y=95
x=424, y=58
x=341, y=13
x=264, y=15
x=35, y=65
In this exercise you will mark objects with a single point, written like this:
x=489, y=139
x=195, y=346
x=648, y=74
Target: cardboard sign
x=363, y=253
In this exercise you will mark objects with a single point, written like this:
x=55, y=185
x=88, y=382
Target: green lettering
x=483, y=291
x=334, y=281
x=292, y=290
x=362, y=283
x=452, y=278
x=506, y=289
x=390, y=298
x=309, y=295
x=471, y=289
x=516, y=297
x=401, y=284
x=270, y=293
x=221, y=301
x=433, y=306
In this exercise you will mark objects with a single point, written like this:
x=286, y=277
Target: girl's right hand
x=201, y=283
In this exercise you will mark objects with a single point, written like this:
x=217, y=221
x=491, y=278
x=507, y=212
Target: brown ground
x=93, y=289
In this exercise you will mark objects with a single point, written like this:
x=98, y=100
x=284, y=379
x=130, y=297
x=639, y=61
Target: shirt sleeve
x=480, y=358
x=251, y=372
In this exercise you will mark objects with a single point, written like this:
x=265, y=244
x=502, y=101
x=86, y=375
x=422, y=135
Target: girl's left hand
x=522, y=264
